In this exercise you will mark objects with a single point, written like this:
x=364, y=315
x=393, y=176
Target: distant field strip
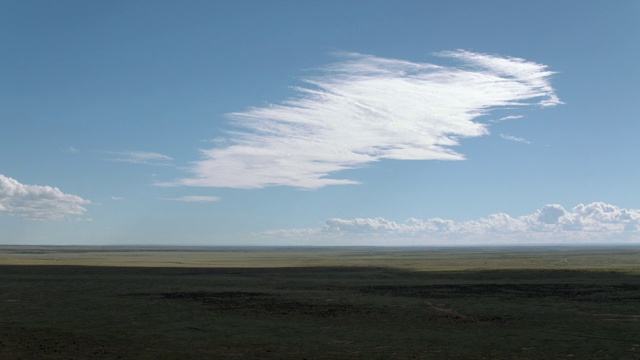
x=422, y=259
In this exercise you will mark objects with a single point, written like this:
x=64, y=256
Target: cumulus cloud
x=515, y=138
x=140, y=157
x=38, y=202
x=364, y=108
x=197, y=199
x=593, y=223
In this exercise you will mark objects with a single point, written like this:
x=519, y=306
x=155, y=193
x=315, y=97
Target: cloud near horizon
x=363, y=109
x=597, y=222
x=38, y=202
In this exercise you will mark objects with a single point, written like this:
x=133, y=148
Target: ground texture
x=424, y=304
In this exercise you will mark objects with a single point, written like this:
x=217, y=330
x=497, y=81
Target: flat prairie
x=319, y=303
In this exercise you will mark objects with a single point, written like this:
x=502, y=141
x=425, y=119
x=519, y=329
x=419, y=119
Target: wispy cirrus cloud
x=140, y=157
x=597, y=222
x=364, y=108
x=195, y=198
x=510, y=117
x=71, y=150
x=515, y=138
x=38, y=202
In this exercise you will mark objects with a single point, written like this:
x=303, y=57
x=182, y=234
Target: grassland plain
x=319, y=303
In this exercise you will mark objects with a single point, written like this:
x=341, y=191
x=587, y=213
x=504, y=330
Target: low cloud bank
x=597, y=222
x=38, y=202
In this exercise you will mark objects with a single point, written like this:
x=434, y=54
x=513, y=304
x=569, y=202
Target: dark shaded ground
x=67, y=312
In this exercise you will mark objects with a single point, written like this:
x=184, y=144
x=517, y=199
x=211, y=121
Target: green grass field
x=319, y=303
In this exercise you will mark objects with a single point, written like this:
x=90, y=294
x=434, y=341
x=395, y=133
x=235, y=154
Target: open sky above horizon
x=319, y=122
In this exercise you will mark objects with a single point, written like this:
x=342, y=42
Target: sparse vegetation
x=352, y=303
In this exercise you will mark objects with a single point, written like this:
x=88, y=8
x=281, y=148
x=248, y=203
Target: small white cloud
x=38, y=202
x=515, y=138
x=140, y=157
x=71, y=150
x=593, y=223
x=117, y=198
x=510, y=117
x=196, y=199
x=218, y=141
x=363, y=109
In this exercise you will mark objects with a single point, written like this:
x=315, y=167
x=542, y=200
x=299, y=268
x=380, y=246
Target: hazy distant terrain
x=353, y=303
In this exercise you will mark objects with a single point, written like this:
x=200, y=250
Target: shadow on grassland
x=316, y=312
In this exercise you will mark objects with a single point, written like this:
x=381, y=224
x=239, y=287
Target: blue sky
x=319, y=122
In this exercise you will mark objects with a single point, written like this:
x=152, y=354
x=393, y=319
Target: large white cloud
x=38, y=202
x=366, y=108
x=593, y=223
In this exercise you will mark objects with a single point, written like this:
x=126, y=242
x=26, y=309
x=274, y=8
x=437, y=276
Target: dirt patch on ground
x=447, y=310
